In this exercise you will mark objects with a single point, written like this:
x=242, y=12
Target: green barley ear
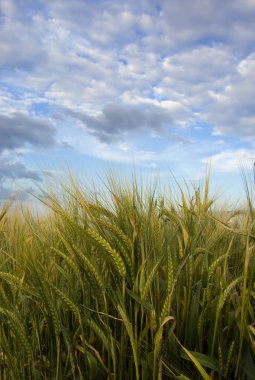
x=10, y=278
x=51, y=309
x=170, y=271
x=123, y=243
x=16, y=282
x=230, y=354
x=220, y=359
x=150, y=279
x=92, y=268
x=96, y=278
x=116, y=231
x=220, y=305
x=47, y=300
x=181, y=251
x=8, y=360
x=99, y=332
x=117, y=259
x=227, y=291
x=215, y=264
x=251, y=331
x=170, y=283
x=19, y=330
x=183, y=377
x=185, y=235
x=205, y=271
x=127, y=260
x=66, y=300
x=70, y=263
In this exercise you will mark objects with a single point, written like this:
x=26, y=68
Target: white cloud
x=233, y=111
x=230, y=160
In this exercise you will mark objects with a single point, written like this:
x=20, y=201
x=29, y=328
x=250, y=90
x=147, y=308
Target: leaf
x=195, y=361
x=136, y=297
x=205, y=360
x=158, y=341
x=130, y=332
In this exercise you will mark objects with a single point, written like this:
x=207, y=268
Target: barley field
x=129, y=285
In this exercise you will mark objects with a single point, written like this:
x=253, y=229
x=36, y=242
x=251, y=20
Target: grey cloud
x=206, y=21
x=18, y=129
x=15, y=170
x=6, y=193
x=116, y=120
x=10, y=171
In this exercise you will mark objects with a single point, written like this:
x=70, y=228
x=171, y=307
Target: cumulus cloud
x=230, y=160
x=17, y=132
x=191, y=75
x=18, y=129
x=13, y=169
x=201, y=64
x=116, y=121
x=158, y=25
x=21, y=48
x=232, y=111
x=11, y=172
x=206, y=21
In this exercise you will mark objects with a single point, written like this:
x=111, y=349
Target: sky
x=165, y=87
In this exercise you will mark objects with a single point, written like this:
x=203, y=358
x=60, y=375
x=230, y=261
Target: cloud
x=232, y=111
x=13, y=169
x=230, y=160
x=8, y=193
x=201, y=64
x=206, y=21
x=159, y=26
x=21, y=40
x=116, y=121
x=191, y=75
x=18, y=130
x=12, y=172
x=5, y=193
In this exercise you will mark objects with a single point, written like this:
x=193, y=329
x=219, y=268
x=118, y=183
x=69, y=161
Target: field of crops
x=129, y=285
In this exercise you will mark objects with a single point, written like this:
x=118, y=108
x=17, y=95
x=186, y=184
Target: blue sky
x=163, y=86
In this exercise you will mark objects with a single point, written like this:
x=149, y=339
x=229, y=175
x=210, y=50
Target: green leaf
x=205, y=360
x=136, y=297
x=195, y=361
